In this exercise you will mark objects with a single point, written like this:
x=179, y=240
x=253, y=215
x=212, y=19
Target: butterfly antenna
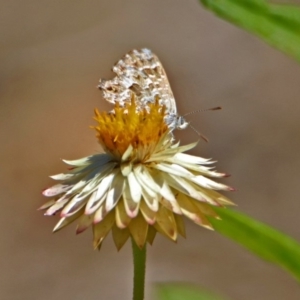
x=199, y=134
x=201, y=110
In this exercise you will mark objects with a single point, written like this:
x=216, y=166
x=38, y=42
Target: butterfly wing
x=140, y=73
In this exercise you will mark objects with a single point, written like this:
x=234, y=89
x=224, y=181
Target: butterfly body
x=141, y=73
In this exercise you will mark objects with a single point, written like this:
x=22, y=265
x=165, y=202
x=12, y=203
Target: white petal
x=170, y=152
x=94, y=181
x=171, y=205
x=143, y=151
x=56, y=190
x=151, y=192
x=47, y=204
x=92, y=184
x=131, y=207
x=191, y=159
x=174, y=169
x=94, y=203
x=100, y=214
x=91, y=170
x=62, y=176
x=215, y=174
x=126, y=168
x=151, y=201
x=97, y=170
x=127, y=153
x=149, y=195
x=200, y=169
x=134, y=187
x=165, y=138
x=147, y=180
x=163, y=155
x=76, y=187
x=83, y=223
x=208, y=183
x=115, y=192
x=97, y=158
x=104, y=185
x=80, y=197
x=183, y=186
x=148, y=214
x=214, y=198
x=77, y=162
x=55, y=207
x=63, y=222
x=186, y=147
x=164, y=190
x=176, y=145
x=104, y=170
x=73, y=207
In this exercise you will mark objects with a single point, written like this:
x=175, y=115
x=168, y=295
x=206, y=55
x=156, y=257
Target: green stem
x=139, y=264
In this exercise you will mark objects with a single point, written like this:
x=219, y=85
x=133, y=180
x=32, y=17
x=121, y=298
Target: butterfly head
x=181, y=123
x=176, y=122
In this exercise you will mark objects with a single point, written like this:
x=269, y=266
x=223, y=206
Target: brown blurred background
x=52, y=56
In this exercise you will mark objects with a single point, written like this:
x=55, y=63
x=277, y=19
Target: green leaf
x=259, y=238
x=277, y=24
x=183, y=292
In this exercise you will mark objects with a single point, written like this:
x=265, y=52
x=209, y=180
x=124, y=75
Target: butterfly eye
x=181, y=123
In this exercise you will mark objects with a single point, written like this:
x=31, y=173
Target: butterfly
x=140, y=73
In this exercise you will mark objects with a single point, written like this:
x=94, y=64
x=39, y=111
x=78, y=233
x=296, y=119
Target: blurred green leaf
x=183, y=292
x=277, y=24
x=259, y=238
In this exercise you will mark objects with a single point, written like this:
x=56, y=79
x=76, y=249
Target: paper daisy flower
x=142, y=184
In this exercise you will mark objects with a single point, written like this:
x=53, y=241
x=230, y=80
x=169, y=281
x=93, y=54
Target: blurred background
x=52, y=56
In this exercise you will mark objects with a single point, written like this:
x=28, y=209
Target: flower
x=141, y=185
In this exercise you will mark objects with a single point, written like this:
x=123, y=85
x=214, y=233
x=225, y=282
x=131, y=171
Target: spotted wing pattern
x=140, y=73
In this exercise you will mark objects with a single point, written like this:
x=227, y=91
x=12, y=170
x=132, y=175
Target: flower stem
x=139, y=264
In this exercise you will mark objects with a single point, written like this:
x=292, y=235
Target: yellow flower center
x=130, y=126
